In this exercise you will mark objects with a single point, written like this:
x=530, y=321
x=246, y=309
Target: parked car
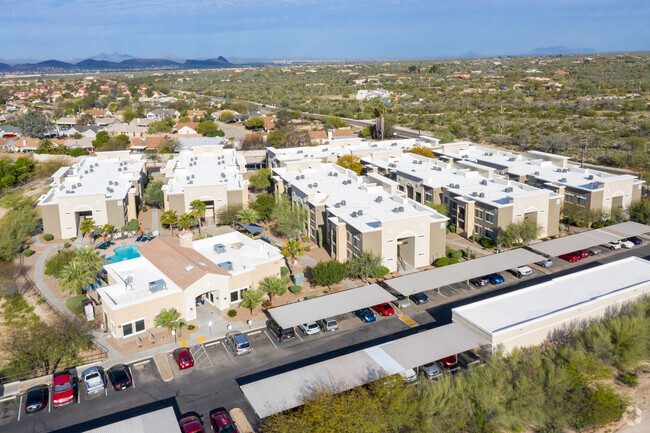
x=401, y=301
x=310, y=328
x=328, y=325
x=522, y=271
x=409, y=375
x=62, y=389
x=183, y=358
x=635, y=240
x=546, y=263
x=36, y=398
x=616, y=245
x=431, y=370
x=221, y=421
x=449, y=361
x=496, y=278
x=191, y=424
x=571, y=257
x=627, y=244
x=93, y=380
x=594, y=251
x=419, y=298
x=583, y=253
x=384, y=309
x=480, y=281
x=366, y=315
x=120, y=377
x=468, y=359
x=238, y=343
x=281, y=334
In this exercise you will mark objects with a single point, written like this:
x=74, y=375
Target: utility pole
x=584, y=146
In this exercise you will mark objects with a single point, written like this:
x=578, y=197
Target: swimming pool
x=126, y=252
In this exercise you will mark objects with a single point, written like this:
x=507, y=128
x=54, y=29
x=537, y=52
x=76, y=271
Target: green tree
x=169, y=218
x=197, y=210
x=335, y=122
x=33, y=124
x=100, y=139
x=421, y=150
x=86, y=227
x=273, y=286
x=169, y=318
x=292, y=250
x=379, y=113
x=226, y=116
x=209, y=128
x=351, y=162
x=169, y=145
x=129, y=115
x=523, y=232
x=329, y=273
x=291, y=221
x=46, y=147
x=248, y=216
x=640, y=212
x=90, y=259
x=263, y=204
x=76, y=276
x=276, y=138
x=365, y=266
x=185, y=221
x=163, y=126
x=251, y=299
x=261, y=179
x=153, y=194
x=438, y=207
x=107, y=229
x=227, y=215
x=255, y=123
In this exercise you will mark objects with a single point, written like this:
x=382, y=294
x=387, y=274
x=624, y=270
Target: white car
x=522, y=271
x=626, y=244
x=616, y=245
x=409, y=375
x=310, y=328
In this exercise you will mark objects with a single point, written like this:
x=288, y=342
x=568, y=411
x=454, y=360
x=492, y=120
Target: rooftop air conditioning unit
x=420, y=162
x=110, y=182
x=590, y=177
x=302, y=176
x=74, y=186
x=300, y=151
x=297, y=177
x=474, y=194
x=226, y=266
x=343, y=203
x=354, y=214
x=484, y=182
x=565, y=170
x=337, y=205
x=310, y=185
x=190, y=182
x=379, y=199
x=563, y=179
x=92, y=170
x=192, y=176
x=536, y=173
x=508, y=189
x=512, y=158
x=85, y=171
x=223, y=175
x=115, y=183
x=157, y=286
x=335, y=174
x=329, y=174
x=219, y=248
x=482, y=194
x=401, y=208
x=396, y=209
x=315, y=185
x=359, y=212
x=559, y=170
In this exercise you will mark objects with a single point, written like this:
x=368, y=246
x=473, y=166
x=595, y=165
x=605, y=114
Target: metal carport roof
x=438, y=277
x=326, y=306
x=291, y=389
x=590, y=238
x=159, y=421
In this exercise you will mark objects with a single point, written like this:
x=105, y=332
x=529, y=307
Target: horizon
x=318, y=30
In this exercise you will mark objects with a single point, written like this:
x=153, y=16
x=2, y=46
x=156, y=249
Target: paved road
x=215, y=380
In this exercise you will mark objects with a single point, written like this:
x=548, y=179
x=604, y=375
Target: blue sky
x=331, y=29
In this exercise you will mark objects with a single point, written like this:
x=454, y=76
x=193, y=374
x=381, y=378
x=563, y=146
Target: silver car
x=328, y=325
x=431, y=370
x=238, y=343
x=310, y=328
x=93, y=380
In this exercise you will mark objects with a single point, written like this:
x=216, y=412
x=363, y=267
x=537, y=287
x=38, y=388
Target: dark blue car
x=366, y=315
x=496, y=278
x=635, y=240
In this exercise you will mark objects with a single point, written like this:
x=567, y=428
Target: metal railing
x=61, y=366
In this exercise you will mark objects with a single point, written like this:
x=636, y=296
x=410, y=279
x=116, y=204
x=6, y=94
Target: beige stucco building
x=105, y=187
x=477, y=200
x=349, y=214
x=180, y=273
x=208, y=173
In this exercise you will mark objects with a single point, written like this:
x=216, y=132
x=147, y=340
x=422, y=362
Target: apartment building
x=295, y=157
x=581, y=187
x=477, y=200
x=208, y=173
x=106, y=187
x=195, y=277
x=349, y=214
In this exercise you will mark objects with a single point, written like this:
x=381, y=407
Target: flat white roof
x=590, y=238
x=158, y=421
x=439, y=277
x=500, y=313
x=332, y=305
x=434, y=173
x=140, y=272
x=294, y=388
x=345, y=194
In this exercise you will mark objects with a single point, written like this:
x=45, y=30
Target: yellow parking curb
x=410, y=322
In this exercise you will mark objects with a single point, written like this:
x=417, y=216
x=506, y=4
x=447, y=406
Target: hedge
x=295, y=289
x=597, y=225
x=488, y=243
x=453, y=260
x=132, y=226
x=67, y=245
x=443, y=261
x=457, y=254
x=380, y=272
x=232, y=313
x=48, y=237
x=28, y=252
x=610, y=222
x=284, y=271
x=452, y=229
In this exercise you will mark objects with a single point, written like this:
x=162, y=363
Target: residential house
x=186, y=128
x=163, y=113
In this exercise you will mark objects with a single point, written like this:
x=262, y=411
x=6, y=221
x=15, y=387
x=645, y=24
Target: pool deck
x=110, y=251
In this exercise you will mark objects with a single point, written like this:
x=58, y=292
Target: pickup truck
x=522, y=271
x=93, y=380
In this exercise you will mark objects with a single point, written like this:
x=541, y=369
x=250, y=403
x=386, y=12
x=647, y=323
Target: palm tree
x=170, y=319
x=251, y=299
x=248, y=216
x=76, y=276
x=108, y=229
x=169, y=218
x=292, y=250
x=197, y=210
x=273, y=286
x=185, y=221
x=380, y=112
x=87, y=227
x=91, y=259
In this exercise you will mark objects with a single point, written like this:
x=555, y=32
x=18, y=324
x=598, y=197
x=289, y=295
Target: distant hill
x=560, y=49
x=131, y=63
x=114, y=57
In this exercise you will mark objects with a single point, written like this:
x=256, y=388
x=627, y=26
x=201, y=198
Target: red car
x=183, y=358
x=571, y=257
x=449, y=361
x=62, y=389
x=583, y=253
x=384, y=309
x=191, y=424
x=221, y=422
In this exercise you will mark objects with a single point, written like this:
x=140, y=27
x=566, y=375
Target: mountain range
x=101, y=62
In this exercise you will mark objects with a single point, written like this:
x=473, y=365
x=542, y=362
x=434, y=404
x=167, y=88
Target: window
x=489, y=217
x=139, y=325
x=479, y=214
x=127, y=329
x=454, y=205
x=453, y=220
x=478, y=229
x=581, y=201
x=461, y=213
x=428, y=197
x=236, y=295
x=488, y=233
x=568, y=198
x=357, y=242
x=445, y=199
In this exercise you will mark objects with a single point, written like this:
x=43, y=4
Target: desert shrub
x=28, y=252
x=55, y=264
x=284, y=271
x=452, y=229
x=597, y=225
x=449, y=251
x=67, y=245
x=132, y=226
x=232, y=313
x=488, y=243
x=48, y=237
x=610, y=222
x=442, y=261
x=453, y=260
x=380, y=272
x=630, y=379
x=295, y=289
x=191, y=327
x=602, y=406
x=457, y=254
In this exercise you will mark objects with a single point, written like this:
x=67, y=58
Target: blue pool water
x=126, y=252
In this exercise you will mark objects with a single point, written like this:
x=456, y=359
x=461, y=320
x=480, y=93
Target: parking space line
x=49, y=401
x=20, y=405
x=212, y=344
x=106, y=391
x=224, y=348
x=259, y=331
x=146, y=361
x=299, y=337
x=13, y=397
x=132, y=379
x=267, y=336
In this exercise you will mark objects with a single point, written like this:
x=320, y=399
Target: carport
x=591, y=238
x=332, y=305
x=294, y=388
x=158, y=421
x=465, y=271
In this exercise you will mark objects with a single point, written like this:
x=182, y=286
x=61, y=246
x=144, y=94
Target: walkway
x=154, y=219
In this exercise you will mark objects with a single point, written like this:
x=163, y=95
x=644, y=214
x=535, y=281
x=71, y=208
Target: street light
x=174, y=334
x=210, y=327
